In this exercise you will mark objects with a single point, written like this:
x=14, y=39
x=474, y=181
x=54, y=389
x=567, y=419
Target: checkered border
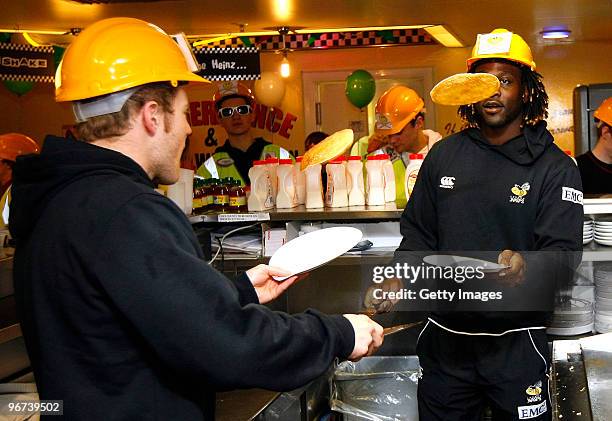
x=332, y=40
x=26, y=47
x=233, y=77
x=235, y=50
x=28, y=78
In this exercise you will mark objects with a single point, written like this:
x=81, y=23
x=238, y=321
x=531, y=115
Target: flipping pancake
x=464, y=88
x=329, y=148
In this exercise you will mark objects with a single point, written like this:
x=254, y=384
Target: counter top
x=242, y=404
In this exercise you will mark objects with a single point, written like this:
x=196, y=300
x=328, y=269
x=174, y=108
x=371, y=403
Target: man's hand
x=515, y=274
x=368, y=336
x=381, y=305
x=376, y=141
x=266, y=287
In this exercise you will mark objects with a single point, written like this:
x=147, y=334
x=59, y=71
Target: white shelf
x=597, y=206
x=593, y=252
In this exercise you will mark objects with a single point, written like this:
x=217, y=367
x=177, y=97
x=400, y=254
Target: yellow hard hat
x=396, y=108
x=604, y=112
x=501, y=43
x=116, y=54
x=232, y=88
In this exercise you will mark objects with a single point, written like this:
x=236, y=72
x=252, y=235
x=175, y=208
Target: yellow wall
x=563, y=67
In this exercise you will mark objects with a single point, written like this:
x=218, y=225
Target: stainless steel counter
x=243, y=404
x=582, y=386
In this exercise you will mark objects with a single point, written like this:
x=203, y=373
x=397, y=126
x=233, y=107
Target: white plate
x=455, y=261
x=570, y=331
x=314, y=249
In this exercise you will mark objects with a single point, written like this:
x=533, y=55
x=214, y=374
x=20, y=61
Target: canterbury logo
x=447, y=182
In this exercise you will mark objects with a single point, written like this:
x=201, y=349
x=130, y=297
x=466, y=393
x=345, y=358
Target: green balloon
x=58, y=53
x=360, y=88
x=18, y=87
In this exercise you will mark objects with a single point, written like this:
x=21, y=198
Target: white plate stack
x=603, y=231
x=574, y=317
x=603, y=297
x=587, y=231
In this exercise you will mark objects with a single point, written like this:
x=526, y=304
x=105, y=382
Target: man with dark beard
x=502, y=188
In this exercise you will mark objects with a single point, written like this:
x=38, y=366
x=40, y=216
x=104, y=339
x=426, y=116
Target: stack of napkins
x=273, y=239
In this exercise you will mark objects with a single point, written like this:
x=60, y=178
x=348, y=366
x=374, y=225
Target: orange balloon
x=14, y=144
x=11, y=146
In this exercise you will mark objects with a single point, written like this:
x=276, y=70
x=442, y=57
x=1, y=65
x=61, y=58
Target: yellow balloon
x=270, y=89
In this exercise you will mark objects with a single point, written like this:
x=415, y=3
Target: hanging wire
x=226, y=235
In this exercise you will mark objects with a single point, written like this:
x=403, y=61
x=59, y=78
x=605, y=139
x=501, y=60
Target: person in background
x=399, y=132
x=12, y=145
x=313, y=139
x=234, y=103
x=122, y=317
x=498, y=188
x=596, y=165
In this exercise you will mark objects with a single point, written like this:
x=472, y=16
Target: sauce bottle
x=237, y=197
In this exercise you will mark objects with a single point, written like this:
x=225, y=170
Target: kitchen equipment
x=376, y=388
x=587, y=98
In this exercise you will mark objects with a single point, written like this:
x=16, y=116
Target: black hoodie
x=465, y=199
x=122, y=318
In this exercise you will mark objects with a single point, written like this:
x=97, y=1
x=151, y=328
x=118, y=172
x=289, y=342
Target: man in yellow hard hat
x=122, y=317
x=502, y=192
x=234, y=102
x=596, y=165
x=399, y=132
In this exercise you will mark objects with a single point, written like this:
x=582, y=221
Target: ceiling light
x=302, y=30
x=30, y=41
x=441, y=34
x=555, y=32
x=32, y=31
x=285, y=67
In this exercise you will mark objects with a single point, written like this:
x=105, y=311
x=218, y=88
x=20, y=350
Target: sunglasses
x=226, y=112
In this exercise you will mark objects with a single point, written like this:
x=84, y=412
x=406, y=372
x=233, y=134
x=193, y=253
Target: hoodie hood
x=523, y=149
x=38, y=178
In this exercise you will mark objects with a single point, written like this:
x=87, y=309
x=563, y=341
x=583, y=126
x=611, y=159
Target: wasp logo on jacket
x=534, y=392
x=519, y=193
